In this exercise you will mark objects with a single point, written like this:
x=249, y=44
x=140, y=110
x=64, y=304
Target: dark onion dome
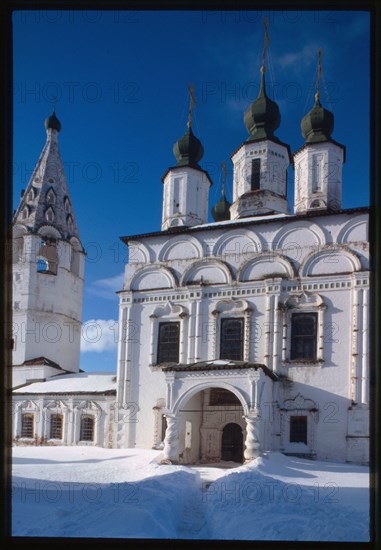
x=318, y=124
x=53, y=122
x=262, y=118
x=221, y=211
x=188, y=150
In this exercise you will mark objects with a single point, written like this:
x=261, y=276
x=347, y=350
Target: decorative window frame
x=169, y=313
x=225, y=309
x=26, y=407
x=32, y=416
x=87, y=408
x=299, y=406
x=56, y=408
x=303, y=302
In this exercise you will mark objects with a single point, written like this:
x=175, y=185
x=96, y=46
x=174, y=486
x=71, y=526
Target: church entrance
x=232, y=443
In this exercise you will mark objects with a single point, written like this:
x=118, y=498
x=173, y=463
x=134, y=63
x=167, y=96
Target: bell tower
x=260, y=164
x=48, y=271
x=319, y=162
x=186, y=185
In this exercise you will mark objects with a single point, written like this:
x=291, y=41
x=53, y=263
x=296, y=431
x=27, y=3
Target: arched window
x=27, y=425
x=25, y=213
x=56, y=426
x=87, y=428
x=47, y=257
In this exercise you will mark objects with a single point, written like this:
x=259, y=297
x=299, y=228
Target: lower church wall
x=59, y=420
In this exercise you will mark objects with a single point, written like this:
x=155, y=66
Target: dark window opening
x=168, y=345
x=220, y=396
x=303, y=336
x=231, y=339
x=298, y=429
x=255, y=174
x=27, y=425
x=56, y=426
x=87, y=428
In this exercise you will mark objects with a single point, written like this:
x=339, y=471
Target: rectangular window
x=316, y=173
x=255, y=174
x=220, y=396
x=27, y=425
x=56, y=426
x=231, y=339
x=298, y=429
x=168, y=345
x=303, y=336
x=87, y=428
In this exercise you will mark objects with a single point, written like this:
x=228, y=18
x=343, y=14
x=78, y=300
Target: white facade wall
x=185, y=197
x=318, y=177
x=262, y=272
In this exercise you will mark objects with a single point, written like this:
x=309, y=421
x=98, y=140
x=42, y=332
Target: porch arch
x=188, y=394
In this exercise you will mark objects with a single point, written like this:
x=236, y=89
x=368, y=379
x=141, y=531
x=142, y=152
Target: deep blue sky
x=121, y=79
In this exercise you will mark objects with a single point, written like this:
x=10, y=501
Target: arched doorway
x=232, y=443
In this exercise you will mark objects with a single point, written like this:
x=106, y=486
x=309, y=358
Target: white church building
x=236, y=337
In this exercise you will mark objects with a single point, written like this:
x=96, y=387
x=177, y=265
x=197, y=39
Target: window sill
x=303, y=362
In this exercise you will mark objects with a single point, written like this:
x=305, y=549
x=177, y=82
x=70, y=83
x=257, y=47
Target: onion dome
x=221, y=211
x=318, y=124
x=52, y=122
x=188, y=150
x=262, y=118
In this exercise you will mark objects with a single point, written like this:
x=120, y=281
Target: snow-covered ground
x=95, y=492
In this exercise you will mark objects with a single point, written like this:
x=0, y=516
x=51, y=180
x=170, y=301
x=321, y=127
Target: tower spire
x=224, y=175
x=192, y=102
x=320, y=70
x=266, y=43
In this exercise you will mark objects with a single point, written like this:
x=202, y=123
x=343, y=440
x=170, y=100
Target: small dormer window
x=49, y=215
x=70, y=224
x=25, y=213
x=51, y=197
x=31, y=195
x=67, y=205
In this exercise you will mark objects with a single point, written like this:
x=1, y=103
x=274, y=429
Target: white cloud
x=106, y=288
x=301, y=58
x=99, y=335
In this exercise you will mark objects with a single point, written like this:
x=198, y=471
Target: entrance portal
x=232, y=443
